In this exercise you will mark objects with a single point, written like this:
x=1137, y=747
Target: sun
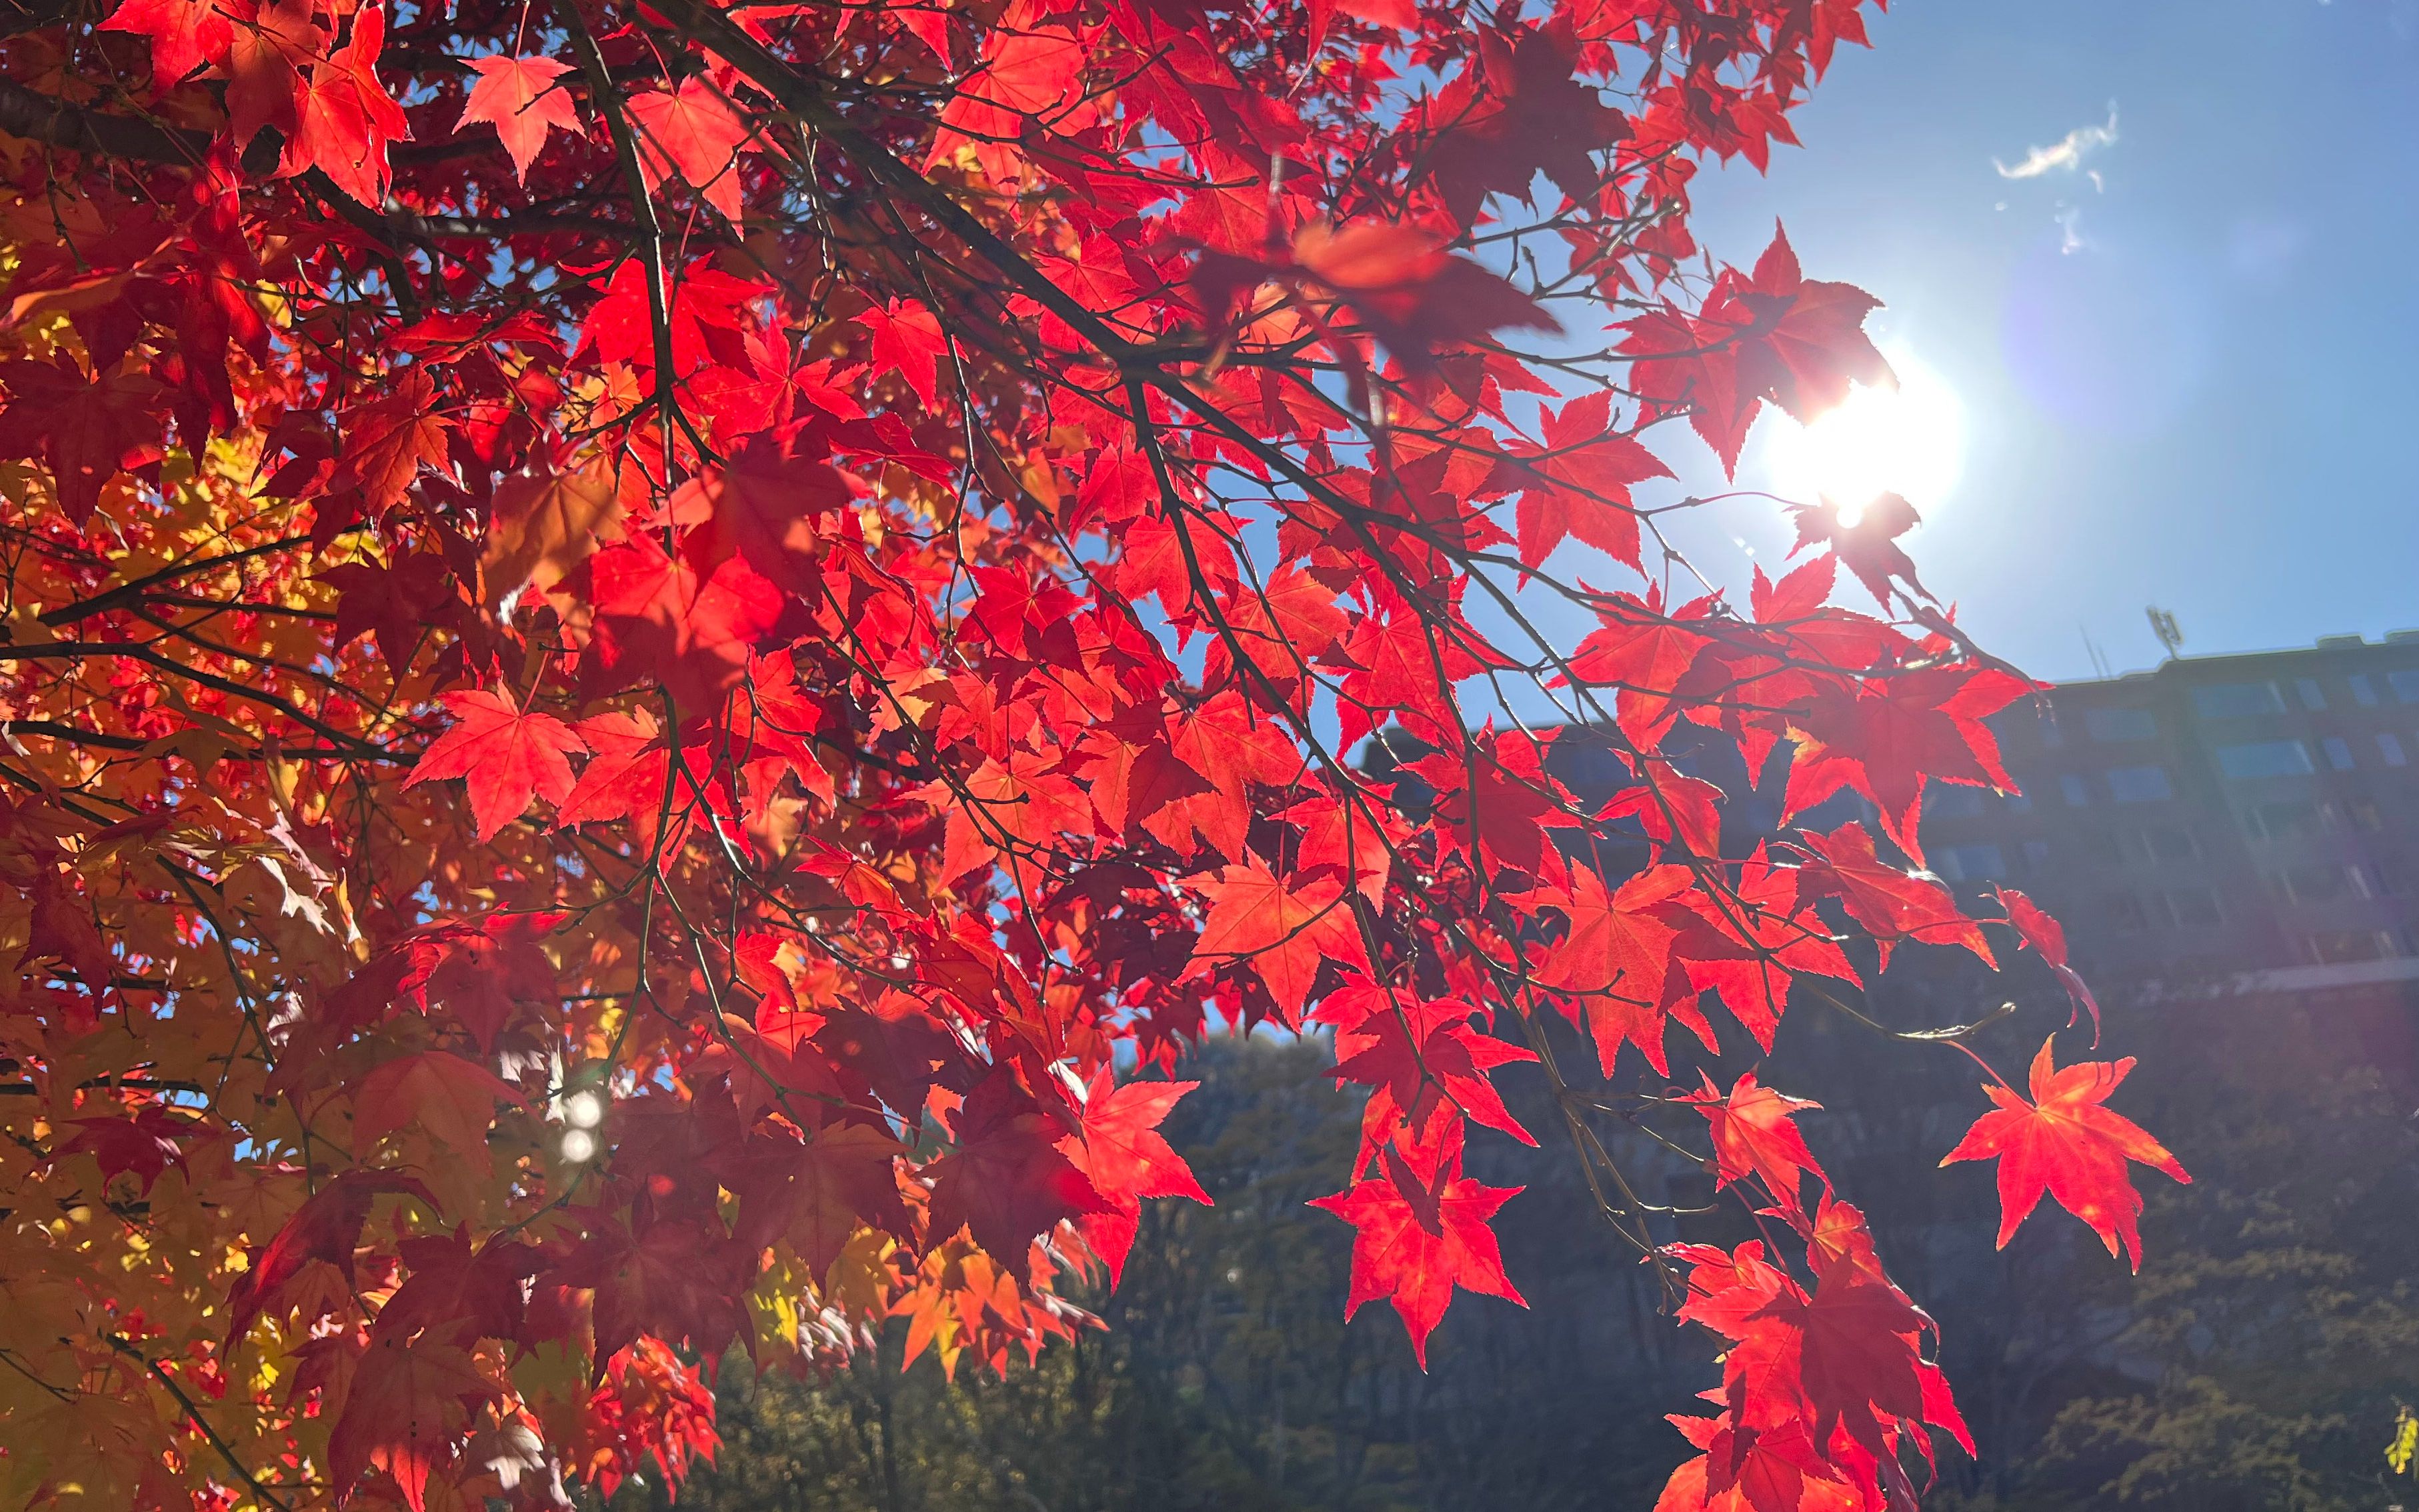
x=1908, y=440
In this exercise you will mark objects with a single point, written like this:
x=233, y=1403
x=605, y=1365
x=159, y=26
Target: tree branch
x=194, y=1416
x=40, y=117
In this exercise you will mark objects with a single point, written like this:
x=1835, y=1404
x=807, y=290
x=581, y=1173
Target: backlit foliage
x=658, y=659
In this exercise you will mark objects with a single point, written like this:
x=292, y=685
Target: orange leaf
x=521, y=99
x=448, y=1096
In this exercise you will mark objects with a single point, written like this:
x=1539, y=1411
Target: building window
x=2335, y=947
x=2235, y=701
x=2193, y=908
x=2035, y=854
x=2139, y=784
x=2077, y=796
x=2287, y=819
x=2385, y=875
x=2389, y=746
x=2018, y=803
x=2265, y=758
x=1944, y=800
x=2312, y=698
x=2169, y=843
x=2124, y=911
x=1968, y=863
x=2363, y=692
x=2112, y=726
x=2405, y=684
x=2319, y=883
x=2051, y=736
x=2339, y=752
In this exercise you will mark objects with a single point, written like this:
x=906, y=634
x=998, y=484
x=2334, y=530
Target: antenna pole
x=2163, y=625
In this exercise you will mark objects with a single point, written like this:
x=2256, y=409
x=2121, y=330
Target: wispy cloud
x=2064, y=155
x=2070, y=227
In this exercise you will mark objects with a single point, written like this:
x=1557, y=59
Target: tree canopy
x=659, y=658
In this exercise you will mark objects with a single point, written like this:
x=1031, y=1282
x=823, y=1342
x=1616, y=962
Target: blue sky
x=2207, y=404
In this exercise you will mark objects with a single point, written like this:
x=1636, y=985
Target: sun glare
x=1908, y=440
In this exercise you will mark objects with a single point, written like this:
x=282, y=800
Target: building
x=2222, y=824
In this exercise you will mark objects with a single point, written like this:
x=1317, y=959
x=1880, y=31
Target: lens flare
x=1908, y=440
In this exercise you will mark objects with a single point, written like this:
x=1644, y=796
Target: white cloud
x=2064, y=155
x=2070, y=225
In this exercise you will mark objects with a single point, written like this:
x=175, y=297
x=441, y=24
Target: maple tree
x=647, y=645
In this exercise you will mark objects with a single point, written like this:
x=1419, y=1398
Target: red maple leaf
x=1123, y=1152
x=1850, y=1351
x=1754, y=949
x=88, y=431
x=1623, y=971
x=397, y=605
x=2065, y=1143
x=767, y=508
x=267, y=56
x=457, y=1292
x=388, y=439
x=521, y=99
x=185, y=35
x=1420, y=1229
x=682, y=1279
x=1645, y=654
x=1006, y=1181
x=1026, y=72
x=817, y=1191
x=1120, y=1150
x=1286, y=931
x=1865, y=539
x=896, y=1044
x=62, y=926
x=1888, y=736
x=1750, y=1470
x=1618, y=942
x=1525, y=108
x=1807, y=342
x=627, y=772
x=2046, y=937
x=1772, y=335
x=344, y=118
x=658, y=616
x=907, y=341
x=1494, y=801
x=1892, y=904
x=145, y=1145
x=1407, y=291
x=504, y=755
x=403, y=1413
x=1755, y=1135
x=695, y=132
x=1132, y=780
x=1423, y=1056
x=326, y=1228
x=1585, y=472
